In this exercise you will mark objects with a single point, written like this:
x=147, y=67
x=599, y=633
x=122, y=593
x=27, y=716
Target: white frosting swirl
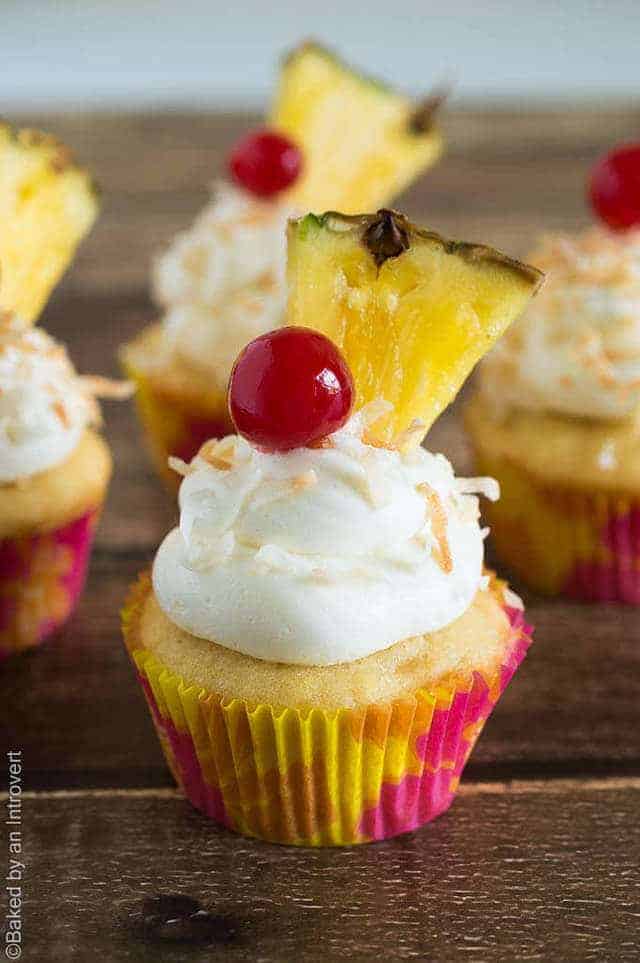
x=323, y=555
x=44, y=405
x=576, y=350
x=222, y=282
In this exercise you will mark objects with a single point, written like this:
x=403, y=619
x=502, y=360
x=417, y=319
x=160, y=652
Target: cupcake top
x=576, y=350
x=320, y=555
x=222, y=282
x=308, y=540
x=45, y=406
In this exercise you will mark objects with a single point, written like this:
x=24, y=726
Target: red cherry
x=289, y=388
x=615, y=187
x=265, y=163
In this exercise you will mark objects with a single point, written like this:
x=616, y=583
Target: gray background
x=116, y=53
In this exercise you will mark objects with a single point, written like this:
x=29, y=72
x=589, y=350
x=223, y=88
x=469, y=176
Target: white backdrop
x=203, y=52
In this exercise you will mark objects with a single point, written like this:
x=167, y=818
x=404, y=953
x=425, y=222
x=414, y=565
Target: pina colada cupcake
x=335, y=139
x=557, y=416
x=54, y=471
x=54, y=467
x=318, y=641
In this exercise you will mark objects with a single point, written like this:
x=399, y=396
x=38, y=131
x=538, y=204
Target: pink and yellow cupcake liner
x=174, y=426
x=316, y=777
x=565, y=541
x=41, y=578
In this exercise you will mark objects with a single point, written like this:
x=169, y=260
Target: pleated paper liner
x=565, y=541
x=41, y=578
x=315, y=777
x=174, y=426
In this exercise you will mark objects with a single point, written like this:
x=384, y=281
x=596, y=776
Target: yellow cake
x=54, y=473
x=476, y=642
x=50, y=499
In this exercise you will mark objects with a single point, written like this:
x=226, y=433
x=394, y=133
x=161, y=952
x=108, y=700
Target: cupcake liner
x=41, y=578
x=174, y=426
x=317, y=777
x=563, y=541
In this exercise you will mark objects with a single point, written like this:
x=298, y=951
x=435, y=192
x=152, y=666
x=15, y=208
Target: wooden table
x=537, y=859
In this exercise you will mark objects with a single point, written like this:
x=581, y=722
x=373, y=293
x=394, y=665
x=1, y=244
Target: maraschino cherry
x=265, y=163
x=614, y=188
x=289, y=388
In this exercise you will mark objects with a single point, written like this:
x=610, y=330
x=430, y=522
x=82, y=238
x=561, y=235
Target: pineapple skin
x=47, y=205
x=412, y=312
x=362, y=142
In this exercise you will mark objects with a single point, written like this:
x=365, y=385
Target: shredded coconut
x=488, y=487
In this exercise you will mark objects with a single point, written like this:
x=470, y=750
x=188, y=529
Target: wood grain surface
x=521, y=873
x=544, y=871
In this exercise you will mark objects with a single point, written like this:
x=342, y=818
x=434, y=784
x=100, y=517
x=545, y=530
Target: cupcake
x=54, y=467
x=54, y=471
x=318, y=641
x=335, y=140
x=557, y=414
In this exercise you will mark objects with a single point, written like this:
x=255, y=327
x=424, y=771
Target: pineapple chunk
x=363, y=143
x=47, y=205
x=412, y=311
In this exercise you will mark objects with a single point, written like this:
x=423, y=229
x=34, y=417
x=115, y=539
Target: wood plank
x=530, y=872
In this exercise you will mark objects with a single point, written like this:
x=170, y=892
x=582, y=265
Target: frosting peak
x=576, y=350
x=319, y=555
x=45, y=406
x=222, y=282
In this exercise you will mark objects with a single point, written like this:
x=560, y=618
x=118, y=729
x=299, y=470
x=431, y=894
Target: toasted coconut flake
x=366, y=421
x=372, y=412
x=61, y=413
x=305, y=480
x=107, y=387
x=215, y=454
x=267, y=282
x=179, y=466
x=488, y=487
x=412, y=437
x=225, y=453
x=322, y=443
x=441, y=550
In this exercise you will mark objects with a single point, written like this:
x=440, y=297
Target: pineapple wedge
x=47, y=205
x=412, y=311
x=363, y=143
